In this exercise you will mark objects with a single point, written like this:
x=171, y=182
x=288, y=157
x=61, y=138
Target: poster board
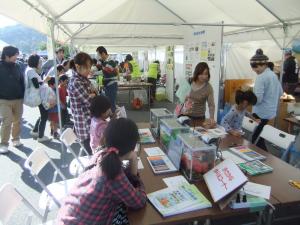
x=203, y=44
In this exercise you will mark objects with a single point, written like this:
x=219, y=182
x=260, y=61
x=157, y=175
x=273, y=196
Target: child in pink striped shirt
x=100, y=111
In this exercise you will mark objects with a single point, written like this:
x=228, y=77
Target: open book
x=180, y=199
x=210, y=135
x=224, y=179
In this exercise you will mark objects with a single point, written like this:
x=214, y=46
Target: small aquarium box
x=155, y=116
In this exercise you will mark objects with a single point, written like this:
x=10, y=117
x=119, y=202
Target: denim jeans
x=111, y=93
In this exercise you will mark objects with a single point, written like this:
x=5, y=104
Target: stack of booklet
x=177, y=199
x=146, y=136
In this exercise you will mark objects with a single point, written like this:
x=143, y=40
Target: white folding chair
x=10, y=200
x=77, y=165
x=276, y=137
x=248, y=126
x=53, y=193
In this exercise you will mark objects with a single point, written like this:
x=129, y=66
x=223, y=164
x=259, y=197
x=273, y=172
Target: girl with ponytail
x=104, y=191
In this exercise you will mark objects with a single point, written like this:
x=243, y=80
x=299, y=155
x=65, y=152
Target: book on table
x=179, y=199
x=247, y=153
x=224, y=179
x=255, y=167
x=146, y=136
x=159, y=161
x=210, y=135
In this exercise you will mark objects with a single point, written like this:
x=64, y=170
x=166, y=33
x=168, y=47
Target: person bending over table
x=201, y=92
x=105, y=189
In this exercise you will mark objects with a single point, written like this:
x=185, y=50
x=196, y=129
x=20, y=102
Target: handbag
x=32, y=96
x=183, y=108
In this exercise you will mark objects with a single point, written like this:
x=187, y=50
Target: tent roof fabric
x=149, y=22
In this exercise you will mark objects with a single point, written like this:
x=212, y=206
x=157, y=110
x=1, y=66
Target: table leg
x=270, y=216
x=149, y=97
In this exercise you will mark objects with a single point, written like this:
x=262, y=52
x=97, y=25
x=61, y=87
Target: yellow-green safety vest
x=153, y=70
x=136, y=73
x=99, y=80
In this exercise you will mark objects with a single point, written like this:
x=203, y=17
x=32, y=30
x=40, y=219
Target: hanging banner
x=204, y=45
x=170, y=73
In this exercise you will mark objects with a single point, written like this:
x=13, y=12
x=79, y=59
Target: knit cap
x=259, y=57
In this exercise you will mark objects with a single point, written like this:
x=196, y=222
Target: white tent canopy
x=152, y=22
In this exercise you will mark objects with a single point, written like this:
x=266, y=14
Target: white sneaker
x=34, y=134
x=17, y=143
x=3, y=149
x=44, y=139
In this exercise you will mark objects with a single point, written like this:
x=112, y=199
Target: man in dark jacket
x=290, y=75
x=11, y=98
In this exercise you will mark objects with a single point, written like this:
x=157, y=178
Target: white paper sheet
x=258, y=190
x=175, y=181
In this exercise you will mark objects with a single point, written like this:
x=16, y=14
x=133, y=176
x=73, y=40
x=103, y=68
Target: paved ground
x=13, y=171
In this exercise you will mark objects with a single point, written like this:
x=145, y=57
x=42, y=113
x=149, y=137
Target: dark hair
x=72, y=64
x=33, y=61
x=9, y=51
x=248, y=96
x=94, y=61
x=101, y=50
x=199, y=70
x=271, y=65
x=82, y=59
x=51, y=81
x=65, y=62
x=128, y=57
x=156, y=61
x=60, y=49
x=99, y=105
x=60, y=68
x=63, y=77
x=122, y=134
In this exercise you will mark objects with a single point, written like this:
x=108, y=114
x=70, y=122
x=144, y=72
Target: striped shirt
x=79, y=89
x=199, y=97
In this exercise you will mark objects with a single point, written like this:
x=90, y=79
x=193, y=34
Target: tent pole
x=52, y=26
x=221, y=75
x=293, y=38
x=270, y=11
x=274, y=39
x=281, y=73
x=68, y=9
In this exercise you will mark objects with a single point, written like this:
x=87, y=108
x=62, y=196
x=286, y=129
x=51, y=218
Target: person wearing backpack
x=11, y=98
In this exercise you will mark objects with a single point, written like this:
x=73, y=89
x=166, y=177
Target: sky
x=5, y=21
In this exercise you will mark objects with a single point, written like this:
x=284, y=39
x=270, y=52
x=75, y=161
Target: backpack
x=32, y=96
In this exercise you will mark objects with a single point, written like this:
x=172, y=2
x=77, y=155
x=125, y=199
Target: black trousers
x=261, y=143
x=40, y=124
x=152, y=88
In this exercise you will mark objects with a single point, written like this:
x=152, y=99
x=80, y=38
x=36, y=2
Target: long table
x=281, y=192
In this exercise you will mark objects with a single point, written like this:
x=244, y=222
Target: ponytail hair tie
x=112, y=150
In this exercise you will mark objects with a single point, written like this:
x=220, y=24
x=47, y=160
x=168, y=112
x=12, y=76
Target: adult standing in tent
x=81, y=91
x=50, y=62
x=11, y=98
x=268, y=90
x=110, y=72
x=134, y=68
x=153, y=72
x=200, y=94
x=290, y=75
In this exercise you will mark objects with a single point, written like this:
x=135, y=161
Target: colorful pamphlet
x=247, y=153
x=255, y=167
x=161, y=164
x=146, y=136
x=180, y=199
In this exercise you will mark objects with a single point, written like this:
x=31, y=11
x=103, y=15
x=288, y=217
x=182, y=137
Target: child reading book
x=232, y=121
x=100, y=111
x=105, y=189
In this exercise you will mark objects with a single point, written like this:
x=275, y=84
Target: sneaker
x=17, y=143
x=44, y=139
x=34, y=134
x=3, y=149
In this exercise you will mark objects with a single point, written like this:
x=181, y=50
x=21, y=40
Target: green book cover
x=255, y=167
